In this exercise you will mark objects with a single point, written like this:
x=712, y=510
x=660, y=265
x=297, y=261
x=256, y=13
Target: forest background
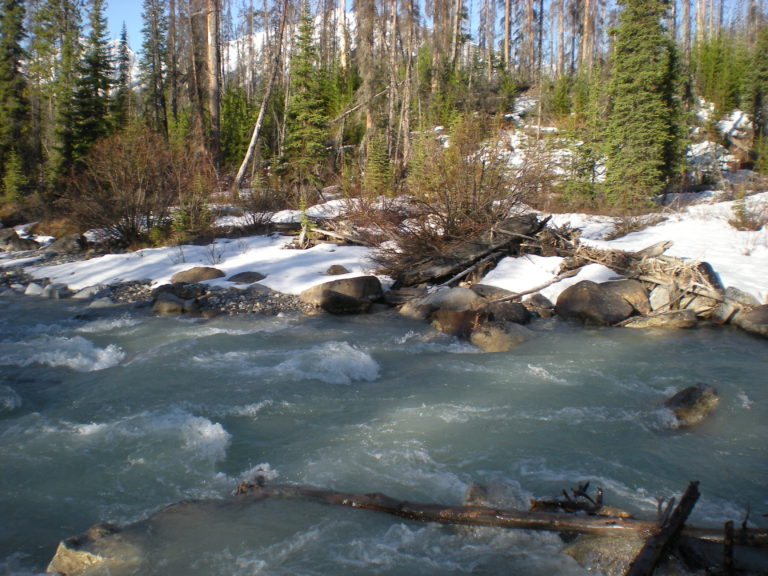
x=265, y=104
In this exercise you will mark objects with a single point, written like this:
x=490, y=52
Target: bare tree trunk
x=366, y=15
x=507, y=33
x=393, y=92
x=587, y=35
x=686, y=35
x=214, y=80
x=343, y=35
x=404, y=129
x=276, y=54
x=173, y=62
x=561, y=38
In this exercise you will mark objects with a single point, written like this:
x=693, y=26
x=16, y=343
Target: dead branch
x=646, y=560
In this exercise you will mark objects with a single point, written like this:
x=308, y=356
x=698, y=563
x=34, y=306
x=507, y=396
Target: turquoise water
x=110, y=415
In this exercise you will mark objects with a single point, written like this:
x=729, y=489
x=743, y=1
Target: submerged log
x=482, y=515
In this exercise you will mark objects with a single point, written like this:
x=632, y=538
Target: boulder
x=459, y=323
x=197, y=274
x=673, y=319
x=336, y=270
x=168, y=304
x=692, y=404
x=101, y=549
x=632, y=291
x=33, y=289
x=337, y=303
x=368, y=287
x=17, y=244
x=181, y=290
x=662, y=296
x=754, y=321
x=539, y=305
x=734, y=302
x=490, y=292
x=513, y=312
x=5, y=236
x=593, y=303
x=56, y=291
x=72, y=244
x=246, y=278
x=499, y=336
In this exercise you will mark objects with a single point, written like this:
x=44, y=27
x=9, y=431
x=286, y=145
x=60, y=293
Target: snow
x=699, y=231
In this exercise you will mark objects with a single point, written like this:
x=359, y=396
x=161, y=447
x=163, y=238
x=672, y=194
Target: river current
x=112, y=414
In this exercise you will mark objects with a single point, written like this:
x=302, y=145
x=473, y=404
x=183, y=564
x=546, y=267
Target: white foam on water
x=540, y=372
x=76, y=353
x=331, y=363
x=121, y=323
x=9, y=399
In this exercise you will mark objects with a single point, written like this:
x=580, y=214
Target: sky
x=128, y=11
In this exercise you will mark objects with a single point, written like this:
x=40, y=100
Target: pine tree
x=121, y=100
x=643, y=137
x=66, y=16
x=14, y=107
x=153, y=63
x=91, y=103
x=307, y=117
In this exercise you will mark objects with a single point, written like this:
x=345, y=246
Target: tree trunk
x=481, y=515
x=277, y=50
x=343, y=38
x=214, y=81
x=507, y=33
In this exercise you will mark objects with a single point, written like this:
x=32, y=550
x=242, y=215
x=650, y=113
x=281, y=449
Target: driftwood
x=503, y=238
x=646, y=560
x=482, y=515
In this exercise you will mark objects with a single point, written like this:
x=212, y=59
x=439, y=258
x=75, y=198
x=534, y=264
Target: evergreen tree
x=66, y=16
x=91, y=103
x=121, y=101
x=643, y=135
x=307, y=117
x=14, y=108
x=152, y=63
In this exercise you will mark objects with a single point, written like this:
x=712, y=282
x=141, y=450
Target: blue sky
x=128, y=11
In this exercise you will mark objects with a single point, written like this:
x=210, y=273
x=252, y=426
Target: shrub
x=130, y=183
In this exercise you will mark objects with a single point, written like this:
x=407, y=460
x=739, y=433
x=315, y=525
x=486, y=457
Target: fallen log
x=474, y=515
x=646, y=560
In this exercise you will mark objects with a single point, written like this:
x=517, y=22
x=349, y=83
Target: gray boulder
x=603, y=304
x=754, y=321
x=246, y=278
x=692, y=404
x=513, y=312
x=446, y=299
x=197, y=274
x=337, y=303
x=539, y=305
x=168, y=304
x=336, y=270
x=674, y=319
x=17, y=244
x=330, y=295
x=459, y=323
x=72, y=244
x=102, y=549
x=632, y=291
x=499, y=336
x=56, y=291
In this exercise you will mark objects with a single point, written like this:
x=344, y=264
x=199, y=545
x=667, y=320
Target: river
x=112, y=414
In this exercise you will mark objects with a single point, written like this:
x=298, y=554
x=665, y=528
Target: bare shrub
x=457, y=188
x=127, y=186
x=745, y=215
x=135, y=184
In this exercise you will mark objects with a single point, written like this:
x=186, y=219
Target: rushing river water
x=112, y=415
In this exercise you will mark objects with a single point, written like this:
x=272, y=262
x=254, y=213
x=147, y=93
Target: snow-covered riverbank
x=701, y=230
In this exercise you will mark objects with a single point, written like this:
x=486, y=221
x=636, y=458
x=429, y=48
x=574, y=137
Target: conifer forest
x=270, y=103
